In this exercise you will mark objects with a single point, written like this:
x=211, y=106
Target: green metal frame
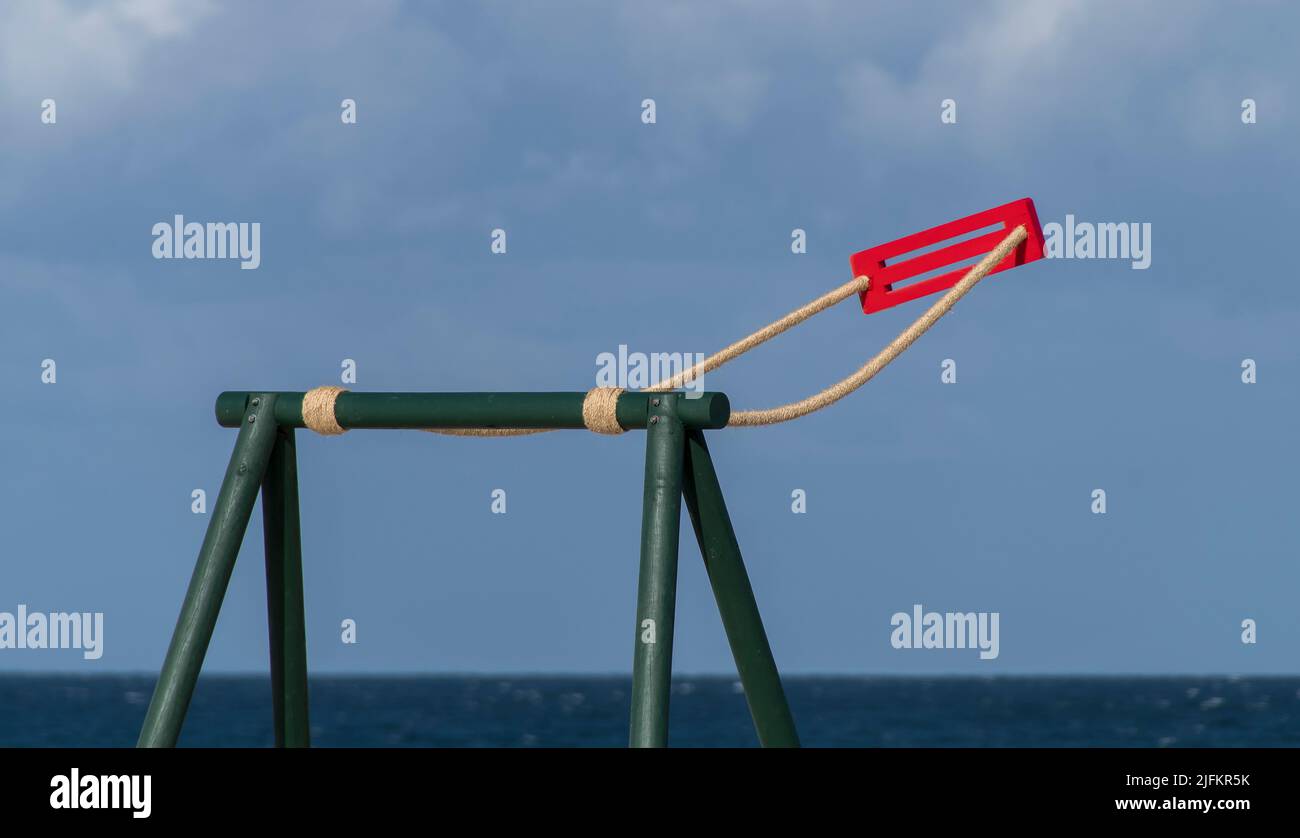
x=678, y=467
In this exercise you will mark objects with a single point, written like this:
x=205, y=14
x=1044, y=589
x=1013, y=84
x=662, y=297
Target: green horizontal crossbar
x=703, y=411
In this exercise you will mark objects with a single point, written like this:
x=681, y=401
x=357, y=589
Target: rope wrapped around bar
x=599, y=408
x=318, y=410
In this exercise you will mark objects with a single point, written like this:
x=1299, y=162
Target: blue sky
x=671, y=237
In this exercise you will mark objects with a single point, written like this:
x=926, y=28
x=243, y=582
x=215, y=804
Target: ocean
x=543, y=711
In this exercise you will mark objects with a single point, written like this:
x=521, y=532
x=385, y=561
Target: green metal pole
x=180, y=672
x=735, y=597
x=284, y=599
x=652, y=660
x=476, y=410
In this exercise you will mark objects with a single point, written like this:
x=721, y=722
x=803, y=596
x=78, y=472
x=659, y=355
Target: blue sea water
x=510, y=711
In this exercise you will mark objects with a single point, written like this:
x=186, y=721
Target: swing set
x=678, y=467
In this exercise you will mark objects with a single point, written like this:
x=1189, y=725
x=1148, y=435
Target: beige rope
x=487, y=431
x=318, y=410
x=763, y=335
x=599, y=408
x=922, y=324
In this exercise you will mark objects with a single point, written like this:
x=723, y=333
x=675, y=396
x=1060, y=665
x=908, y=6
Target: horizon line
x=377, y=674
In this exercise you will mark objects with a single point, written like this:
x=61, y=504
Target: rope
x=922, y=324
x=318, y=410
x=763, y=335
x=599, y=408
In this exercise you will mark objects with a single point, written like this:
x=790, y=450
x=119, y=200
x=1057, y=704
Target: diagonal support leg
x=180, y=672
x=735, y=597
x=284, y=598
x=652, y=661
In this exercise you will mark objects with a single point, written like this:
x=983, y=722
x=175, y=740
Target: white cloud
x=1024, y=74
x=59, y=48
